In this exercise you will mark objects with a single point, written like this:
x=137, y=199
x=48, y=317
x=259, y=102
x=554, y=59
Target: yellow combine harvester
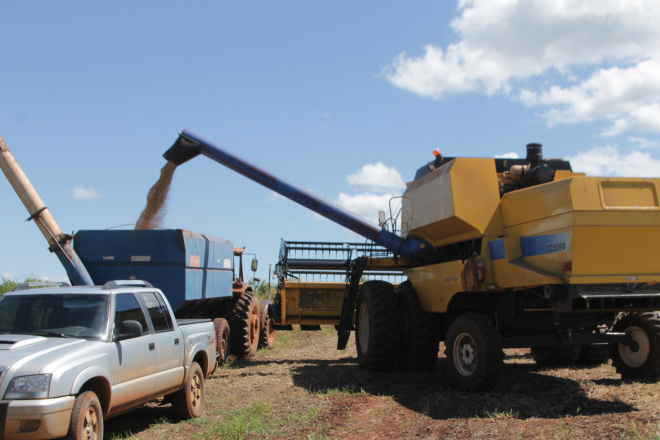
x=498, y=253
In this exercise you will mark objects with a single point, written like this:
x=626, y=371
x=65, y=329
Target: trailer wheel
x=86, y=418
x=640, y=358
x=378, y=326
x=223, y=340
x=244, y=324
x=267, y=333
x=420, y=341
x=474, y=351
x=188, y=402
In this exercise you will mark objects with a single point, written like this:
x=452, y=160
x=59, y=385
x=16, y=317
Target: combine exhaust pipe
x=190, y=145
x=59, y=243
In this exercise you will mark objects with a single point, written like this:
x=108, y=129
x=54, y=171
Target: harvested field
x=306, y=389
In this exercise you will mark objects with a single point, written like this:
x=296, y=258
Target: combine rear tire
x=420, y=335
x=222, y=339
x=640, y=358
x=474, y=351
x=378, y=326
x=243, y=320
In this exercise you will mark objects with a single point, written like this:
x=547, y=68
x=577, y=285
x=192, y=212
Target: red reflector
x=567, y=266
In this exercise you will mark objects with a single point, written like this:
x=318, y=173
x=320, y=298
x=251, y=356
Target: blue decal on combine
x=544, y=244
x=497, y=250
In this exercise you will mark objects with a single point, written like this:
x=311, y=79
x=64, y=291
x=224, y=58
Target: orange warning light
x=437, y=153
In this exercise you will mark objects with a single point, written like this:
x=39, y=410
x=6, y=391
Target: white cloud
x=80, y=192
x=643, y=142
x=511, y=155
x=595, y=59
x=608, y=161
x=365, y=205
x=377, y=178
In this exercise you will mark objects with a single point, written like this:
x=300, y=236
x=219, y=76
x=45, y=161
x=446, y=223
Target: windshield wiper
x=45, y=333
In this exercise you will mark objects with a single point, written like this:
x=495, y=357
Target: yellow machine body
x=573, y=230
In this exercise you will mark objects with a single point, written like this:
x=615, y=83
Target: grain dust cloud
x=152, y=216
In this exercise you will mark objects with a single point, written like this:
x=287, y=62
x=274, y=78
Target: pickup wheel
x=86, y=418
x=222, y=338
x=243, y=320
x=640, y=358
x=188, y=402
x=474, y=352
x=378, y=327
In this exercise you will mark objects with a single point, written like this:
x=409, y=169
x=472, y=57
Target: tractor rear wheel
x=640, y=358
x=420, y=340
x=474, y=352
x=378, y=326
x=243, y=320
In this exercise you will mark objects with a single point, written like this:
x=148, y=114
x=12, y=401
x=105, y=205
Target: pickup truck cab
x=71, y=357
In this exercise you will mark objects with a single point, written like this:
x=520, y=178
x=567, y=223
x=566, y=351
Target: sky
x=345, y=98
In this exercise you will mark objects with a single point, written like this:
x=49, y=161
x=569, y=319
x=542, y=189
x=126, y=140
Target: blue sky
x=345, y=98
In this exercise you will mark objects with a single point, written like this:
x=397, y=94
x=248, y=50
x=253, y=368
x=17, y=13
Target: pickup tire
x=243, y=320
x=378, y=327
x=86, y=418
x=640, y=358
x=223, y=339
x=188, y=402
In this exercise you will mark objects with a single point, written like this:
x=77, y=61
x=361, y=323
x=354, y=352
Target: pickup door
x=148, y=365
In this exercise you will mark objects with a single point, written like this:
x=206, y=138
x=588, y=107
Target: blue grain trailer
x=202, y=277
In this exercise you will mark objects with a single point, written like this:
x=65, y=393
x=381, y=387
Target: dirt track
x=305, y=388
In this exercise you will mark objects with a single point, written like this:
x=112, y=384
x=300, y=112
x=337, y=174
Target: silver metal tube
x=58, y=242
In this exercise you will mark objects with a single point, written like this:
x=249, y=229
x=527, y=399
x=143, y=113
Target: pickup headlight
x=28, y=387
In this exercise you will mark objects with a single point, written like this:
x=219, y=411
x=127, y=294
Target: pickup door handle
x=152, y=347
x=176, y=341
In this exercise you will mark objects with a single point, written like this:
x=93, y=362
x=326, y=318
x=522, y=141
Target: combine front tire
x=474, y=352
x=420, y=335
x=267, y=332
x=244, y=323
x=640, y=358
x=378, y=326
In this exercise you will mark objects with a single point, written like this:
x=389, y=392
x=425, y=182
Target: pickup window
x=127, y=308
x=160, y=316
x=78, y=316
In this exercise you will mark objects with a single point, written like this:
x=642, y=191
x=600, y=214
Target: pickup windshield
x=76, y=316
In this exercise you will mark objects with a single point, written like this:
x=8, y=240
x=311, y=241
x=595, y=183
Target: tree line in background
x=7, y=284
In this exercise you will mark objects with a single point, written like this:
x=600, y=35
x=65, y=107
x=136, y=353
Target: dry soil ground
x=306, y=389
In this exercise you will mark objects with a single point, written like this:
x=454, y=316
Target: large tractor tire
x=267, y=332
x=640, y=358
x=474, y=352
x=222, y=339
x=378, y=327
x=243, y=320
x=420, y=335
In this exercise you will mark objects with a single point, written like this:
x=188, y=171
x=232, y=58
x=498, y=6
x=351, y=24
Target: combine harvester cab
x=499, y=253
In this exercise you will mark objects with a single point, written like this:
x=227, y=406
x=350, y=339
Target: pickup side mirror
x=255, y=264
x=129, y=329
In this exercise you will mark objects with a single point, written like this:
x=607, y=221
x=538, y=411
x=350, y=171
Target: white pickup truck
x=71, y=357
